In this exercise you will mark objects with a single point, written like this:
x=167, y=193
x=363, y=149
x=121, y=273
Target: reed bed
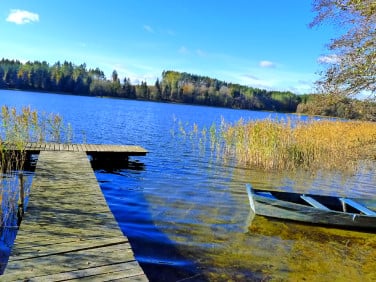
x=18, y=127
x=311, y=145
x=276, y=144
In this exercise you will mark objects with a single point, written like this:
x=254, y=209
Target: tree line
x=337, y=106
x=179, y=87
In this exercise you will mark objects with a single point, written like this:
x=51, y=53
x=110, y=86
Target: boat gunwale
x=258, y=197
x=311, y=215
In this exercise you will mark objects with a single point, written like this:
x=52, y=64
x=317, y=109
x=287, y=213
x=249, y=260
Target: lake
x=186, y=212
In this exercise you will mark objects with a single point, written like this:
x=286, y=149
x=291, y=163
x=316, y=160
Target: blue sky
x=259, y=43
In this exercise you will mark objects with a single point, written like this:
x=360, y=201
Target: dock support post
x=21, y=199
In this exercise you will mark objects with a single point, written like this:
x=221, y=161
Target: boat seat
x=314, y=203
x=357, y=206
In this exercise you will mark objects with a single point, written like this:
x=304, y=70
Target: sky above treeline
x=259, y=43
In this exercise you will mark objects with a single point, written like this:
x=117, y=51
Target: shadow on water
x=10, y=220
x=9, y=193
x=155, y=252
x=112, y=166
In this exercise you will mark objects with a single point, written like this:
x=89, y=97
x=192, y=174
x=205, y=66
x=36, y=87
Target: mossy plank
x=68, y=228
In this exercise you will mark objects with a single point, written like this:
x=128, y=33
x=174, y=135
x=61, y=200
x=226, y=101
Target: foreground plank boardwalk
x=68, y=231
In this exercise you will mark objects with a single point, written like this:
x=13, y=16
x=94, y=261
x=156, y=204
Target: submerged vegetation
x=273, y=145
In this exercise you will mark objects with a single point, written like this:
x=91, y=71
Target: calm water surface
x=187, y=214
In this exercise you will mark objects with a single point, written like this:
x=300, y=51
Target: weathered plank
x=68, y=231
x=89, y=148
x=119, y=272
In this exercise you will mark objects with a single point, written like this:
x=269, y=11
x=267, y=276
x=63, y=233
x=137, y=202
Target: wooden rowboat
x=314, y=209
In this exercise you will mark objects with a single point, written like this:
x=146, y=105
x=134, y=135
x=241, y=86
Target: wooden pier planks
x=131, y=150
x=68, y=231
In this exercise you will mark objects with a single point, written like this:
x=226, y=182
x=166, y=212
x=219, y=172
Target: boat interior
x=325, y=203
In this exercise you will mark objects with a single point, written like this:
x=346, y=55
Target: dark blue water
x=9, y=193
x=185, y=212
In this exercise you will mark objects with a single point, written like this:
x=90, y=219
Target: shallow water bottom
x=287, y=251
x=198, y=229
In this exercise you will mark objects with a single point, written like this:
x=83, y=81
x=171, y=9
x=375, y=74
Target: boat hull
x=285, y=210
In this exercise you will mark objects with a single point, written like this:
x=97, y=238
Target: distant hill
x=195, y=89
x=178, y=87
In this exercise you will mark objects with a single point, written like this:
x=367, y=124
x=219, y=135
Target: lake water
x=187, y=214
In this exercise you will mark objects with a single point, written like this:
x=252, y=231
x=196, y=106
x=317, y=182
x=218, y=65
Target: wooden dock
x=88, y=148
x=68, y=232
x=103, y=154
x=99, y=150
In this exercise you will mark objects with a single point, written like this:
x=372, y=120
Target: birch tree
x=350, y=68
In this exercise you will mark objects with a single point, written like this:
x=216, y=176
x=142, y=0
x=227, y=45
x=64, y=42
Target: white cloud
x=250, y=76
x=183, y=50
x=329, y=59
x=159, y=31
x=272, y=79
x=198, y=52
x=267, y=64
x=82, y=44
x=201, y=53
x=134, y=70
x=256, y=82
x=148, y=28
x=22, y=17
x=170, y=32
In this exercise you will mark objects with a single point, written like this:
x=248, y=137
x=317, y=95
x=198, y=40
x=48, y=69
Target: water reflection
x=154, y=250
x=193, y=223
x=355, y=185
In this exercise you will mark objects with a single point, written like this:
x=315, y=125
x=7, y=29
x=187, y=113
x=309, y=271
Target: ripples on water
x=186, y=214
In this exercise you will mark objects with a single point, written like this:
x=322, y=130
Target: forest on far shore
x=177, y=87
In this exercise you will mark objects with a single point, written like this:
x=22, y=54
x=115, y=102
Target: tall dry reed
x=312, y=145
x=17, y=128
x=295, y=144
